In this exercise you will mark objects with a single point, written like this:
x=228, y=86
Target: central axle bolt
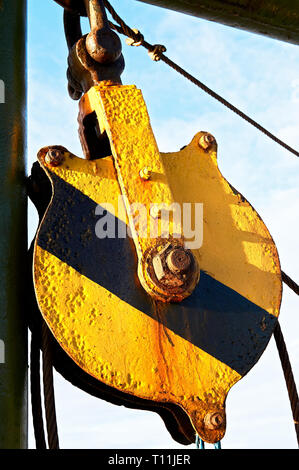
x=170, y=271
x=178, y=261
x=214, y=420
x=54, y=157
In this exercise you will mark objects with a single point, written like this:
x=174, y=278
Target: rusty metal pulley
x=121, y=326
x=157, y=318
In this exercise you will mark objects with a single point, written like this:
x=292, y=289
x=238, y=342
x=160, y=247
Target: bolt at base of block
x=214, y=420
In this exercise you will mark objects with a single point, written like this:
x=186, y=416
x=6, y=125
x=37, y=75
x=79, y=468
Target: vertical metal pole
x=13, y=226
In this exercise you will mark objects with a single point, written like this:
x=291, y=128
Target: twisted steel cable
x=123, y=28
x=290, y=283
x=289, y=377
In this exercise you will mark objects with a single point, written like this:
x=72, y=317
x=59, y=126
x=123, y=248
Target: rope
x=36, y=403
x=285, y=361
x=290, y=283
x=289, y=377
x=53, y=441
x=199, y=442
x=157, y=52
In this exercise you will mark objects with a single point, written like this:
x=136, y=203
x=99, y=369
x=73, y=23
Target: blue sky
x=259, y=75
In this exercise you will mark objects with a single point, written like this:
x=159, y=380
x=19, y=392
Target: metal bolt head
x=145, y=173
x=206, y=141
x=54, y=157
x=103, y=45
x=172, y=271
x=214, y=420
x=178, y=261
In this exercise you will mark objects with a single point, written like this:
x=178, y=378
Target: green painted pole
x=13, y=233
x=278, y=19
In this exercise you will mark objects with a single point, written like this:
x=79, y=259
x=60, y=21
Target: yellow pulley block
x=153, y=273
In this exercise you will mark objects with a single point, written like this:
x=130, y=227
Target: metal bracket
x=94, y=57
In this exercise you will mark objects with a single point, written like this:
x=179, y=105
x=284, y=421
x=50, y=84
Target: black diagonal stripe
x=215, y=318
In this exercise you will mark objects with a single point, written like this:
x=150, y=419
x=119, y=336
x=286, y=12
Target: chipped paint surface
x=189, y=353
x=122, y=113
x=237, y=249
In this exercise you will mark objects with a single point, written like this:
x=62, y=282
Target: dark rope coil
x=36, y=403
x=290, y=283
x=289, y=377
x=50, y=408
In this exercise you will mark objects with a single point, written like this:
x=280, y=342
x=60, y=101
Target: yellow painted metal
x=122, y=113
x=237, y=248
x=114, y=341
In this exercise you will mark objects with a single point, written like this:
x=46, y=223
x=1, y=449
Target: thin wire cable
x=290, y=283
x=123, y=28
